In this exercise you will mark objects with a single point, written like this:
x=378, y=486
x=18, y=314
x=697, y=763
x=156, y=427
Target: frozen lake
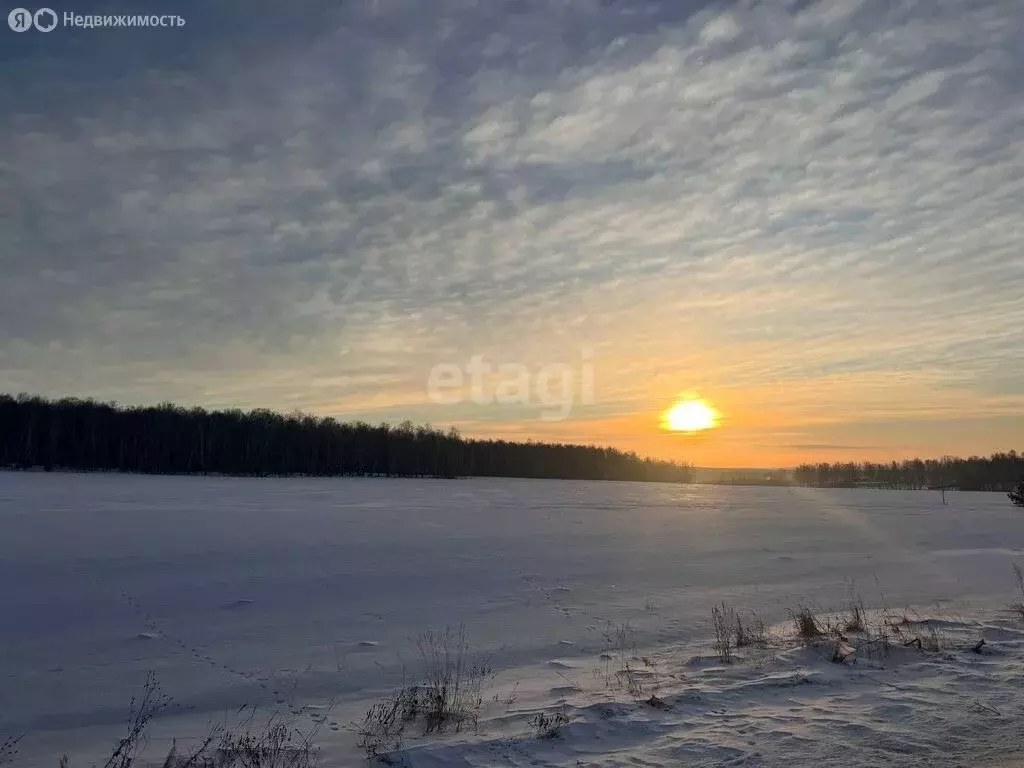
x=263, y=591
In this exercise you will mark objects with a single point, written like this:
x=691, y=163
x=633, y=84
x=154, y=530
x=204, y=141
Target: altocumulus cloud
x=311, y=205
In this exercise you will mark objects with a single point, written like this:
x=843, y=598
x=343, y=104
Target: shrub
x=1017, y=495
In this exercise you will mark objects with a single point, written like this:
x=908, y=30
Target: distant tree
x=999, y=472
x=1017, y=494
x=165, y=439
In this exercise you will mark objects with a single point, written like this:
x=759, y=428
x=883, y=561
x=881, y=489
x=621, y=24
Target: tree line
x=998, y=472
x=77, y=434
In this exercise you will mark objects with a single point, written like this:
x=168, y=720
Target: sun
x=690, y=416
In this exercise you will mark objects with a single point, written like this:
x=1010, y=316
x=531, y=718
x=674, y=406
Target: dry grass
x=854, y=619
x=875, y=646
x=932, y=640
x=447, y=698
x=723, y=621
x=808, y=630
x=548, y=726
x=453, y=679
x=1019, y=576
x=618, y=648
x=732, y=632
x=508, y=700
x=140, y=713
x=624, y=670
x=635, y=683
x=382, y=731
x=752, y=634
x=846, y=636
x=448, y=695
x=857, y=634
x=277, y=745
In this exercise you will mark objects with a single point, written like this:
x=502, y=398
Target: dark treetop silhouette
x=998, y=472
x=89, y=435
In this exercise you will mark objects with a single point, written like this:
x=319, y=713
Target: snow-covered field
x=304, y=596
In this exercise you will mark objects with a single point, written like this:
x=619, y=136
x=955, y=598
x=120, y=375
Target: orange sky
x=851, y=417
x=764, y=445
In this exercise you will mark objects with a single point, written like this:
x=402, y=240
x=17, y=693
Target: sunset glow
x=690, y=416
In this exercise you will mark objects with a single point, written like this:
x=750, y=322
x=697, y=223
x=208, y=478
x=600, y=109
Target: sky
x=807, y=213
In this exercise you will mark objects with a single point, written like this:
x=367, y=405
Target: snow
x=305, y=596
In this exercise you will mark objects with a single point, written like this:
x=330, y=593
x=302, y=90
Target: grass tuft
x=726, y=627
x=451, y=693
x=278, y=745
x=753, y=634
x=448, y=698
x=548, y=726
x=1019, y=576
x=854, y=619
x=807, y=627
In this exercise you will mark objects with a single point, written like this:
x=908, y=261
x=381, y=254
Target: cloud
x=833, y=447
x=808, y=210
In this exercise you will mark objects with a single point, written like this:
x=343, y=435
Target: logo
x=45, y=20
x=22, y=20
x=515, y=385
x=19, y=20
